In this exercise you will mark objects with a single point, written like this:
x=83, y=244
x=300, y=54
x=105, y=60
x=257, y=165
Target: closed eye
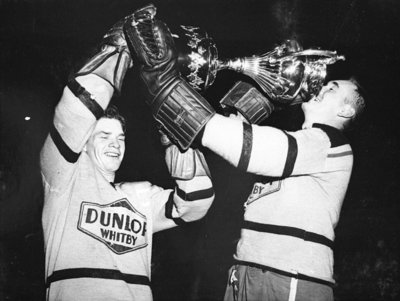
x=334, y=86
x=103, y=135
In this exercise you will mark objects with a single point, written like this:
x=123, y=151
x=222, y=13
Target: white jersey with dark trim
x=103, y=233
x=98, y=235
x=289, y=222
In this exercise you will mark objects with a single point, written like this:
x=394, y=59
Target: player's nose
x=115, y=143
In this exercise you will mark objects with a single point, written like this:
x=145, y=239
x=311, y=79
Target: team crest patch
x=262, y=189
x=118, y=225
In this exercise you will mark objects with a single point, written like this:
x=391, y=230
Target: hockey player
x=285, y=251
x=97, y=233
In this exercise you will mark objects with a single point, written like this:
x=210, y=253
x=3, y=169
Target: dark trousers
x=248, y=283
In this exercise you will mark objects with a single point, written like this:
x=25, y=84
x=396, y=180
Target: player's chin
x=113, y=164
x=305, y=105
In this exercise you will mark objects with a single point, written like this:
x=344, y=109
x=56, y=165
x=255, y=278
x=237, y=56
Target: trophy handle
x=282, y=74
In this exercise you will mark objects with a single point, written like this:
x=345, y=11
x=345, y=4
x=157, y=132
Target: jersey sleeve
x=189, y=201
x=268, y=151
x=313, y=146
x=73, y=122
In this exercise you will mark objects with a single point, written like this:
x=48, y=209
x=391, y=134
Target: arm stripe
x=195, y=195
x=68, y=154
x=86, y=98
x=169, y=205
x=246, y=148
x=291, y=156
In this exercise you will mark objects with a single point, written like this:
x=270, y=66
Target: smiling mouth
x=112, y=155
x=317, y=98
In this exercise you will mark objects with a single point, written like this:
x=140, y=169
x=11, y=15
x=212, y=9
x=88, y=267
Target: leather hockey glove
x=112, y=59
x=181, y=111
x=248, y=101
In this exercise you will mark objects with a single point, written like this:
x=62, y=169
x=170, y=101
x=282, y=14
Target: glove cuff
x=112, y=59
x=182, y=112
x=186, y=165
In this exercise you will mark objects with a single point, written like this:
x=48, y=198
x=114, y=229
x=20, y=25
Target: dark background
x=43, y=41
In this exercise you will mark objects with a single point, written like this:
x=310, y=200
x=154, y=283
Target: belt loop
x=234, y=282
x=293, y=288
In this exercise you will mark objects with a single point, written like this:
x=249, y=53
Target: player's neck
x=308, y=122
x=109, y=176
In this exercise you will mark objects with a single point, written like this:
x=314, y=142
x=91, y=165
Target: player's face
x=330, y=100
x=106, y=146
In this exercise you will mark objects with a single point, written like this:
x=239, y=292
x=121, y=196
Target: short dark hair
x=357, y=101
x=112, y=112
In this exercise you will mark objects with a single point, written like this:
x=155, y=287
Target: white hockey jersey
x=98, y=235
x=289, y=222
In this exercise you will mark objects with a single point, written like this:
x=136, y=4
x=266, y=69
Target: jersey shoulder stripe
x=335, y=136
x=341, y=154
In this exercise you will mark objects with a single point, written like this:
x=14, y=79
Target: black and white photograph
x=199, y=150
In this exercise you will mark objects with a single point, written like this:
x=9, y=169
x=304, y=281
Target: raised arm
x=83, y=102
x=265, y=150
x=188, y=118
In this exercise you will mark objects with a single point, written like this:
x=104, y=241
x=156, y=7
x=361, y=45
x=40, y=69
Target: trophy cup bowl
x=198, y=57
x=283, y=73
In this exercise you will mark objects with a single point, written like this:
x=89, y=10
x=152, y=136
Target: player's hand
x=155, y=50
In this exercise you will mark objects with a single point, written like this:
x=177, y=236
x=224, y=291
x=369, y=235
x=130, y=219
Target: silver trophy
x=283, y=73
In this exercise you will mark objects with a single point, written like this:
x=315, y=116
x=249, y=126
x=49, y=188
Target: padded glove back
x=180, y=111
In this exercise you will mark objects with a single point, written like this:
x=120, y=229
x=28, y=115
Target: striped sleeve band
x=291, y=156
x=246, y=148
x=86, y=98
x=68, y=154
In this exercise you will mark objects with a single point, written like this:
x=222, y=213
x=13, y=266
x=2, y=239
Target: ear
x=347, y=111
